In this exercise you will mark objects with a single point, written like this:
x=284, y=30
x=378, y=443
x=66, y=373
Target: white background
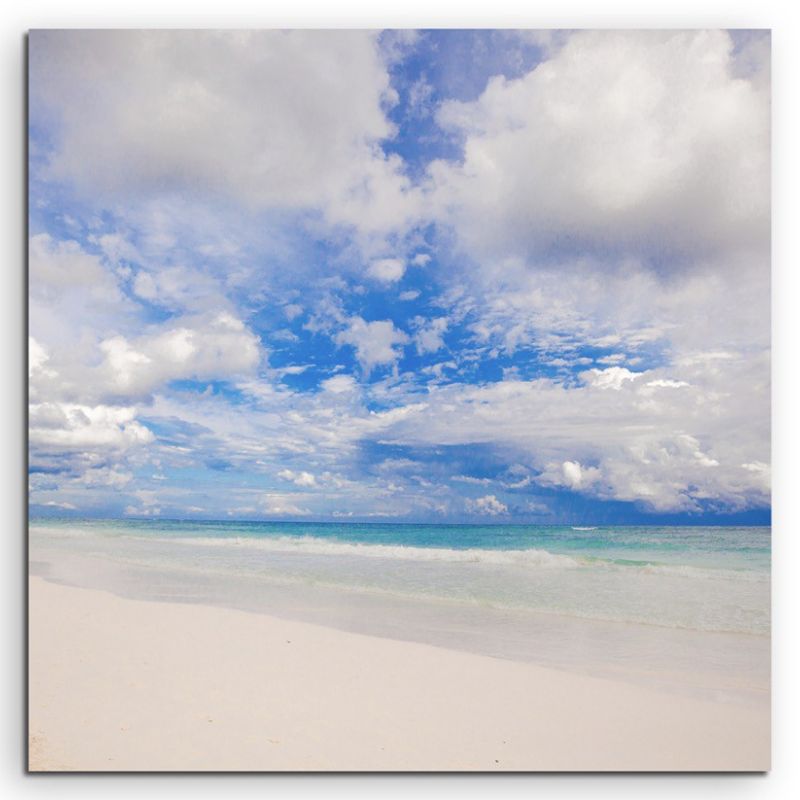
x=784, y=780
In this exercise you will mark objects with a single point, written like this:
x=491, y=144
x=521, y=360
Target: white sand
x=118, y=684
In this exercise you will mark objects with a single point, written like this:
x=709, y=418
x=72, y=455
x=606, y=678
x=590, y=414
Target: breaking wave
x=534, y=558
x=531, y=557
x=315, y=546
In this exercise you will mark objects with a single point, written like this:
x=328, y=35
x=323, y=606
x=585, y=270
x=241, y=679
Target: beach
x=326, y=647
x=121, y=684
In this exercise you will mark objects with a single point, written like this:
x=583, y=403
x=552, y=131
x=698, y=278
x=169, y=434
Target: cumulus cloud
x=59, y=265
x=387, y=270
x=488, y=505
x=340, y=384
x=114, y=477
x=37, y=358
x=217, y=346
x=625, y=139
x=421, y=259
x=73, y=292
x=611, y=378
x=429, y=336
x=663, y=450
x=80, y=427
x=376, y=343
x=571, y=474
x=179, y=288
x=268, y=118
x=302, y=478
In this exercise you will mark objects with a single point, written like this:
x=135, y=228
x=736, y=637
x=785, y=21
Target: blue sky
x=441, y=275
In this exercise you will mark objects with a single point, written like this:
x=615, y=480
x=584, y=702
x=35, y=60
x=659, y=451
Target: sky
x=445, y=276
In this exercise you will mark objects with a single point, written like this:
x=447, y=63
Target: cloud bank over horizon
x=483, y=276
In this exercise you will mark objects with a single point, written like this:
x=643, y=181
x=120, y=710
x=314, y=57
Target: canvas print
x=399, y=400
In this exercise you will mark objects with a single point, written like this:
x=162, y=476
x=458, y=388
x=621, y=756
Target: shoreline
x=123, y=684
x=730, y=595
x=703, y=664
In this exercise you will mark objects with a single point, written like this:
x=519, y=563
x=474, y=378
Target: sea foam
x=316, y=546
x=529, y=557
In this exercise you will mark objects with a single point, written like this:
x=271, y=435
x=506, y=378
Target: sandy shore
x=119, y=684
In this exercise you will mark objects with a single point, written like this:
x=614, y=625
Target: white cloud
x=64, y=505
x=623, y=139
x=340, y=384
x=411, y=294
x=471, y=479
x=489, y=505
x=302, y=478
x=611, y=378
x=398, y=465
x=293, y=369
x=761, y=473
x=429, y=337
x=662, y=383
x=73, y=294
x=269, y=118
x=56, y=266
x=142, y=511
x=279, y=505
x=179, y=288
x=437, y=370
x=37, y=358
x=571, y=474
x=669, y=450
x=79, y=427
x=116, y=248
x=292, y=310
x=421, y=259
x=106, y=476
x=217, y=346
x=614, y=358
x=375, y=343
x=387, y=270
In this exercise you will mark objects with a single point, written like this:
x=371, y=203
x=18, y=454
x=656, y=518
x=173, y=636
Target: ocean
x=693, y=600
x=705, y=578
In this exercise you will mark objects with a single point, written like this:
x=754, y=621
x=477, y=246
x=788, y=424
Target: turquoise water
x=702, y=578
x=735, y=548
